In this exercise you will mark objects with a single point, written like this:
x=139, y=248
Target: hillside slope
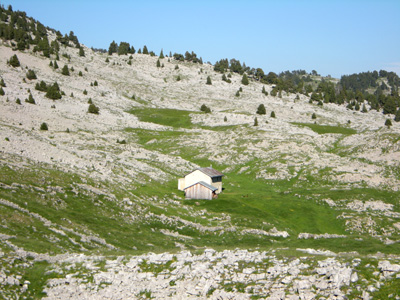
x=105, y=185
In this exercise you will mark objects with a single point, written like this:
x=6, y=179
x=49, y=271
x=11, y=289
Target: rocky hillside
x=89, y=200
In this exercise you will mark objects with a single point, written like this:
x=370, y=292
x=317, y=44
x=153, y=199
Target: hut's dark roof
x=205, y=184
x=211, y=172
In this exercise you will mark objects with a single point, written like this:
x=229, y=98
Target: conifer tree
x=14, y=61
x=81, y=51
x=65, y=70
x=113, y=48
x=208, y=80
x=158, y=63
x=245, y=79
x=255, y=121
x=388, y=123
x=314, y=116
x=161, y=54
x=2, y=93
x=273, y=114
x=364, y=108
x=261, y=110
x=145, y=51
x=397, y=116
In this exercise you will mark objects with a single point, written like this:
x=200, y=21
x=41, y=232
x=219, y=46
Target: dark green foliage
x=273, y=114
x=388, y=123
x=80, y=73
x=123, y=48
x=90, y=101
x=145, y=51
x=357, y=106
x=390, y=106
x=225, y=119
x=364, y=109
x=65, y=70
x=245, y=79
x=113, y=48
x=161, y=54
x=237, y=94
x=95, y=83
x=93, y=109
x=261, y=110
x=53, y=91
x=31, y=75
x=14, y=61
x=55, y=65
x=41, y=86
x=44, y=126
x=255, y=121
x=178, y=78
x=208, y=80
x=18, y=101
x=205, y=108
x=2, y=93
x=397, y=116
x=85, y=92
x=176, y=67
x=107, y=60
x=81, y=52
x=224, y=78
x=30, y=99
x=158, y=63
x=240, y=89
x=2, y=83
x=314, y=116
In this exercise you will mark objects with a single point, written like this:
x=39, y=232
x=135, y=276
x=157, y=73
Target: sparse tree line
x=379, y=90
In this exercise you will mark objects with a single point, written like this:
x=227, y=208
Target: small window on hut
x=217, y=179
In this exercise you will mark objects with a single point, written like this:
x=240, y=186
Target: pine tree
x=2, y=93
x=273, y=114
x=225, y=119
x=65, y=70
x=364, y=108
x=14, y=62
x=55, y=65
x=93, y=109
x=261, y=110
x=245, y=79
x=314, y=116
x=158, y=63
x=44, y=126
x=397, y=116
x=31, y=75
x=161, y=54
x=208, y=80
x=113, y=48
x=255, y=121
x=388, y=123
x=145, y=51
x=2, y=83
x=81, y=51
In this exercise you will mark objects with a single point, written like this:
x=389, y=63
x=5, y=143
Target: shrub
x=158, y=63
x=95, y=83
x=208, y=80
x=85, y=92
x=255, y=121
x=18, y=101
x=90, y=101
x=2, y=93
x=81, y=52
x=44, y=126
x=31, y=75
x=93, y=109
x=205, y=108
x=176, y=67
x=65, y=70
x=397, y=116
x=237, y=94
x=273, y=114
x=314, y=116
x=388, y=123
x=261, y=110
x=245, y=79
x=14, y=61
x=30, y=99
x=80, y=73
x=2, y=83
x=53, y=92
x=225, y=119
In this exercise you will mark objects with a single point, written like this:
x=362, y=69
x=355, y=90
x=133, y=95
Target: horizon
x=335, y=39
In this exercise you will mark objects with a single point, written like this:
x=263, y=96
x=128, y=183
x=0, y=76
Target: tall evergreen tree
x=145, y=51
x=261, y=110
x=245, y=79
x=208, y=80
x=161, y=54
x=113, y=48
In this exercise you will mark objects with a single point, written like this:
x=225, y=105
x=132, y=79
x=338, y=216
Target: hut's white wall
x=197, y=176
x=181, y=184
x=198, y=191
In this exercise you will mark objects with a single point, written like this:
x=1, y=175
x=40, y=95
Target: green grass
x=164, y=116
x=324, y=129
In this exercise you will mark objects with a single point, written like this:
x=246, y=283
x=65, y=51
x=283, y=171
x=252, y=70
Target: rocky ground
x=78, y=142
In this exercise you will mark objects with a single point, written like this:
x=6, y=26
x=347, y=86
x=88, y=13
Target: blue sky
x=335, y=37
